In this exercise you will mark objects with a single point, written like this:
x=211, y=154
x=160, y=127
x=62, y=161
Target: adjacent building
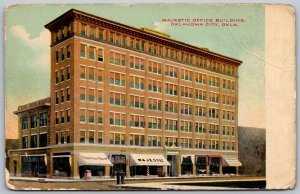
x=134, y=100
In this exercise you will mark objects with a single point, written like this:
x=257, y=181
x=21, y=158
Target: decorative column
x=194, y=168
x=107, y=171
x=178, y=164
x=74, y=166
x=207, y=165
x=127, y=167
x=220, y=166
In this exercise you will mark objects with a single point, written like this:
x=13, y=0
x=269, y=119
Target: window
x=68, y=115
x=124, y=43
x=43, y=119
x=200, y=127
x=82, y=93
x=136, y=101
x=91, y=137
x=186, y=126
x=62, y=75
x=62, y=96
x=171, y=141
x=117, y=138
x=111, y=37
x=213, y=144
x=200, y=143
x=186, y=142
x=137, y=140
x=154, y=123
x=200, y=94
x=100, y=54
x=68, y=73
x=100, y=96
x=62, y=138
x=68, y=94
x=232, y=146
x=82, y=50
x=154, y=67
x=68, y=136
x=213, y=81
x=186, y=75
x=171, y=89
x=68, y=51
x=117, y=79
x=56, y=77
x=117, y=119
x=213, y=129
x=137, y=121
x=154, y=141
x=56, y=56
x=91, y=95
x=100, y=137
x=186, y=109
x=136, y=63
x=33, y=141
x=154, y=86
x=117, y=99
x=24, y=123
x=136, y=83
x=186, y=92
x=171, y=124
x=82, y=115
x=56, y=138
x=117, y=58
x=92, y=74
x=213, y=113
x=101, y=33
x=43, y=140
x=62, y=116
x=92, y=53
x=100, y=75
x=91, y=116
x=154, y=104
x=100, y=117
x=33, y=121
x=171, y=71
x=170, y=106
x=92, y=32
x=25, y=142
x=56, y=118
x=62, y=51
x=213, y=97
x=82, y=72
x=83, y=30
x=82, y=137
x=232, y=131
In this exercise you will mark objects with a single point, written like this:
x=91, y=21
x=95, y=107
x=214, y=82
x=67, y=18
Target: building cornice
x=122, y=28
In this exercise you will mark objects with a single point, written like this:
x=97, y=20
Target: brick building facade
x=135, y=100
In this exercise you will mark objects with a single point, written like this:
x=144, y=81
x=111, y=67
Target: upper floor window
x=171, y=71
x=186, y=92
x=101, y=35
x=33, y=121
x=186, y=75
x=82, y=50
x=91, y=137
x=136, y=82
x=186, y=126
x=24, y=123
x=33, y=141
x=82, y=136
x=83, y=30
x=25, y=142
x=92, y=32
x=117, y=99
x=200, y=94
x=43, y=119
x=136, y=63
x=117, y=118
x=117, y=138
x=117, y=58
x=117, y=79
x=154, y=104
x=68, y=51
x=154, y=86
x=171, y=124
x=43, y=140
x=200, y=78
x=186, y=142
x=137, y=140
x=213, y=81
x=136, y=101
x=92, y=51
x=154, y=141
x=154, y=67
x=100, y=54
x=171, y=89
x=171, y=141
x=154, y=123
x=137, y=121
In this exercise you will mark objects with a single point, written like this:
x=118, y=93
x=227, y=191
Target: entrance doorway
x=119, y=164
x=15, y=168
x=172, y=169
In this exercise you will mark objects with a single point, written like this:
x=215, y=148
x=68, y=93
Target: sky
x=27, y=50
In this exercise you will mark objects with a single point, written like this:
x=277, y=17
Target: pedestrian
x=122, y=176
x=118, y=177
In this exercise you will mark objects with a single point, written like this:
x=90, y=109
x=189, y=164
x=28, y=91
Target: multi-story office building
x=136, y=100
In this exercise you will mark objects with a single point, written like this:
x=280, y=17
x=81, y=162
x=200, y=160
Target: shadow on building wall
x=252, y=151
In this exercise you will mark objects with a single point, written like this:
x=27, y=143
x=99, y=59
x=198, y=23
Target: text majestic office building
x=129, y=99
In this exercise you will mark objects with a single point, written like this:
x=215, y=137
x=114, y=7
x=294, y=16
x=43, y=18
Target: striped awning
x=231, y=161
x=93, y=159
x=148, y=160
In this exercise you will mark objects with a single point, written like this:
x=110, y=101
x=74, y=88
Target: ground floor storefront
x=90, y=162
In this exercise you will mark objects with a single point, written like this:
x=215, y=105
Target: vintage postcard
x=150, y=97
